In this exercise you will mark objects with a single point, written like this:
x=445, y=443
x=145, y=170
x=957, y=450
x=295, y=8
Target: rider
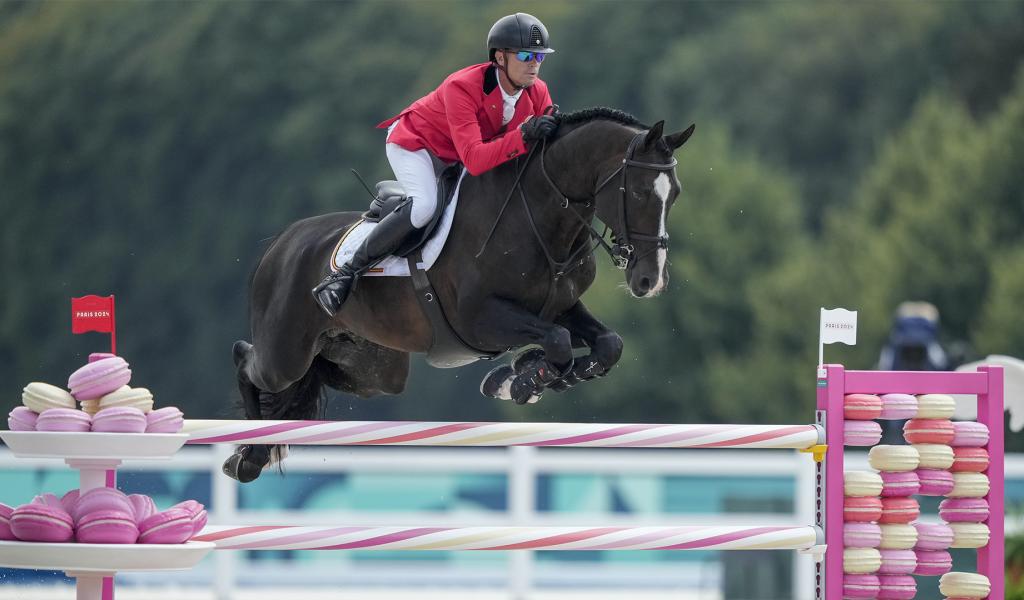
x=482, y=116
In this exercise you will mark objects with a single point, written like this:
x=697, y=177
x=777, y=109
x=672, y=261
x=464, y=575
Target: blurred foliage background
x=846, y=154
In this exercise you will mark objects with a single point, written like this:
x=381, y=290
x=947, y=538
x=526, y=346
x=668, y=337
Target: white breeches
x=415, y=171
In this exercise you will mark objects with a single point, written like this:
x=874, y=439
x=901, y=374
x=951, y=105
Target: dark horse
x=518, y=257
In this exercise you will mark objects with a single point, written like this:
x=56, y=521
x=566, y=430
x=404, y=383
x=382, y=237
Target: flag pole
x=113, y=327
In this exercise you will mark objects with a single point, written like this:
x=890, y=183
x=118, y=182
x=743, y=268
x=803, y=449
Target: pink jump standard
x=834, y=383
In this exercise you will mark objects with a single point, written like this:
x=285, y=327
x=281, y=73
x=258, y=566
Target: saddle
x=391, y=196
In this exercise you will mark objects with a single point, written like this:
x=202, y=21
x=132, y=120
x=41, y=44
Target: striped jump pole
x=417, y=433
x=279, y=537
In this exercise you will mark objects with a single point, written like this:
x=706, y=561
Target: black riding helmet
x=518, y=32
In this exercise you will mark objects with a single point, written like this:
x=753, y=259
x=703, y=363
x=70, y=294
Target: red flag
x=93, y=313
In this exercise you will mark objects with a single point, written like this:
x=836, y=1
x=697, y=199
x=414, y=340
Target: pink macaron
x=5, y=523
x=970, y=434
x=898, y=562
x=172, y=526
x=933, y=563
x=969, y=460
x=861, y=510
x=862, y=535
x=964, y=510
x=933, y=536
x=860, y=586
x=198, y=513
x=49, y=499
x=107, y=527
x=898, y=407
x=100, y=499
x=899, y=510
x=22, y=418
x=99, y=378
x=928, y=431
x=70, y=501
x=935, y=482
x=95, y=356
x=41, y=523
x=64, y=419
x=900, y=485
x=143, y=507
x=165, y=420
x=896, y=587
x=861, y=407
x=861, y=433
x=119, y=419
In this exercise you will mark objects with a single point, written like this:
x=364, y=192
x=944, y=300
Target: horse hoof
x=524, y=392
x=498, y=383
x=526, y=361
x=236, y=467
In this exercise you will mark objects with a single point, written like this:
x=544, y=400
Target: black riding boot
x=388, y=236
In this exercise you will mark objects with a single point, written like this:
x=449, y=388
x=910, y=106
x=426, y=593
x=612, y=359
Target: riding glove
x=538, y=128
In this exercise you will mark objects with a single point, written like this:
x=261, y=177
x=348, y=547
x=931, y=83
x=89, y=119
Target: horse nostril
x=645, y=284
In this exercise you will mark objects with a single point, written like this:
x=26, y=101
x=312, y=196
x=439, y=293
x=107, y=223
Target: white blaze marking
x=662, y=186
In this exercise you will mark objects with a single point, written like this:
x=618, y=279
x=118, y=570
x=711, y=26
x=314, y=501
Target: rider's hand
x=538, y=128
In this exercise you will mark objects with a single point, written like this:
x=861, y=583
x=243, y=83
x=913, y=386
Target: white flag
x=839, y=325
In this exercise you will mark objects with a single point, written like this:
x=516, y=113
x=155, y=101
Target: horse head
x=634, y=202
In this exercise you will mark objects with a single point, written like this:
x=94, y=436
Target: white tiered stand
x=93, y=454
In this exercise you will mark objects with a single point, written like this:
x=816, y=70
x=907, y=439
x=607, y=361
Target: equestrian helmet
x=518, y=32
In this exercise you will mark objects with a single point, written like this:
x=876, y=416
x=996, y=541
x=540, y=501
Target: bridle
x=621, y=250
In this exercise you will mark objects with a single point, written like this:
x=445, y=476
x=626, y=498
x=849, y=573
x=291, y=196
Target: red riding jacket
x=461, y=120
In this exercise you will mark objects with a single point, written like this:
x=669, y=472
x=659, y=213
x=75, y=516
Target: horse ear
x=654, y=134
x=675, y=140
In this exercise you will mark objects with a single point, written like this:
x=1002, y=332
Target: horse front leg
x=504, y=324
x=605, y=346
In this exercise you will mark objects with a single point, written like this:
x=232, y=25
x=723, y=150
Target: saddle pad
x=396, y=266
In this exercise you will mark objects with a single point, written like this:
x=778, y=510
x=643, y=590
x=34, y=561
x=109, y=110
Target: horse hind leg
x=248, y=460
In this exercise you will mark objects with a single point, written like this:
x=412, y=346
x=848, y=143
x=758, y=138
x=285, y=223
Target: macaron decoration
x=933, y=536
x=64, y=419
x=896, y=587
x=95, y=356
x=969, y=535
x=933, y=562
x=898, y=536
x=196, y=511
x=969, y=485
x=70, y=501
x=899, y=510
x=935, y=406
x=143, y=507
x=865, y=535
x=41, y=523
x=965, y=585
x=107, y=527
x=928, y=431
x=5, y=523
x=964, y=510
x=172, y=526
x=894, y=458
x=861, y=407
x=121, y=419
x=861, y=561
x=900, y=485
x=897, y=562
x=969, y=460
x=100, y=499
x=860, y=586
x=22, y=418
x=935, y=456
x=935, y=482
x=898, y=407
x=861, y=433
x=124, y=396
x=165, y=420
x=862, y=509
x=862, y=483
x=40, y=397
x=96, y=379
x=969, y=434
